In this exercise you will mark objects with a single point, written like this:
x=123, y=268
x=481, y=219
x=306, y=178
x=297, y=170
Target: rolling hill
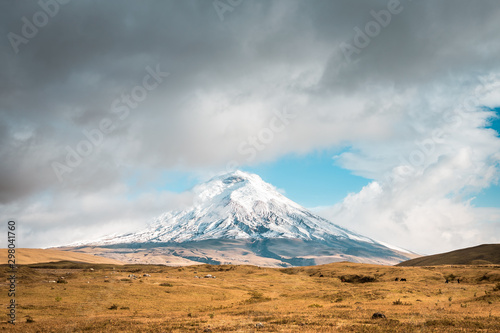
x=35, y=256
x=477, y=255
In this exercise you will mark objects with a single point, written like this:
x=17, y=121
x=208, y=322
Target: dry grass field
x=33, y=256
x=340, y=297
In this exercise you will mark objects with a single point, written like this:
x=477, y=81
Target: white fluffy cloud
x=424, y=177
x=60, y=219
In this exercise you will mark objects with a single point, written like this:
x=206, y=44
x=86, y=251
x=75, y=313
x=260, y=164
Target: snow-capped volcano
x=237, y=205
x=242, y=210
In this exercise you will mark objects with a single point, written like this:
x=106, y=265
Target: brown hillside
x=34, y=256
x=477, y=255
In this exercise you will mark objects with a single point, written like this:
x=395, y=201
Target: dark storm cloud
x=227, y=79
x=66, y=77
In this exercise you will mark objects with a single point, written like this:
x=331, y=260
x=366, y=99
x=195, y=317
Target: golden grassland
x=253, y=299
x=32, y=256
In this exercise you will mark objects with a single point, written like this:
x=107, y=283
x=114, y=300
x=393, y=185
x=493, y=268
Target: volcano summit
x=238, y=218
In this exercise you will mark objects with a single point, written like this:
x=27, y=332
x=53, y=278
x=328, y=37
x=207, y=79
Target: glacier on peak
x=237, y=205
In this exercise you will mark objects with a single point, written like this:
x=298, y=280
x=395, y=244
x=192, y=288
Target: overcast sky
x=104, y=104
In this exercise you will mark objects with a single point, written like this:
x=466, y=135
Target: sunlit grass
x=248, y=298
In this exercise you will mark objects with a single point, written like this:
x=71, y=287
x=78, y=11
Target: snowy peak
x=237, y=186
x=239, y=218
x=237, y=205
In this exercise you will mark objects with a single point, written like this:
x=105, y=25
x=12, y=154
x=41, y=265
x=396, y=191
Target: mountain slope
x=477, y=255
x=241, y=207
x=237, y=206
